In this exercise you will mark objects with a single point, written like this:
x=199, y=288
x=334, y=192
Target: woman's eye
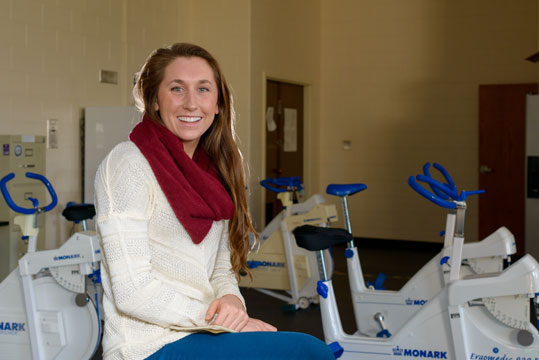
x=177, y=89
x=204, y=89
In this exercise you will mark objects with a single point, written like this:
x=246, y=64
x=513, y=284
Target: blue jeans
x=247, y=345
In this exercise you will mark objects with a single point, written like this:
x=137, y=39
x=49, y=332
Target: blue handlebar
x=28, y=211
x=438, y=188
x=441, y=192
x=430, y=196
x=289, y=182
x=448, y=190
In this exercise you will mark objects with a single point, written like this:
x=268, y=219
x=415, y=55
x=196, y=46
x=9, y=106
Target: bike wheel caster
x=304, y=302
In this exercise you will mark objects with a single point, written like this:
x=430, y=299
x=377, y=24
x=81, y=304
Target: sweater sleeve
x=223, y=279
x=124, y=197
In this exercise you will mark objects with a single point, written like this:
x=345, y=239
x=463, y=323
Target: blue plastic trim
x=348, y=253
x=337, y=349
x=444, y=260
x=344, y=189
x=464, y=194
x=35, y=202
x=442, y=233
x=322, y=289
x=428, y=195
x=378, y=283
x=384, y=334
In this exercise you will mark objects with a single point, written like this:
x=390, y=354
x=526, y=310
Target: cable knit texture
x=154, y=277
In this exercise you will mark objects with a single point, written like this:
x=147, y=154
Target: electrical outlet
x=52, y=134
x=108, y=77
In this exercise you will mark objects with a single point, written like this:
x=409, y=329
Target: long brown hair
x=218, y=141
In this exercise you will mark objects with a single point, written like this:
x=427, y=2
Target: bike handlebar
x=289, y=182
x=449, y=182
x=428, y=195
x=28, y=211
x=448, y=190
x=434, y=184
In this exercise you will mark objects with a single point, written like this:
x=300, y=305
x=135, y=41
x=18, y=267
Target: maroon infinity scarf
x=192, y=186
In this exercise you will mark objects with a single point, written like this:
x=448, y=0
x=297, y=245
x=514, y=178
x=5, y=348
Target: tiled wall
x=51, y=52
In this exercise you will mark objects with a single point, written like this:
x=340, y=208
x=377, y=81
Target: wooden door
x=502, y=128
x=284, y=136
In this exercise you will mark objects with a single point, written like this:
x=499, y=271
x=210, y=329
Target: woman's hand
x=228, y=312
x=258, y=325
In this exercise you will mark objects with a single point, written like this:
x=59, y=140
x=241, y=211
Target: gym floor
x=397, y=260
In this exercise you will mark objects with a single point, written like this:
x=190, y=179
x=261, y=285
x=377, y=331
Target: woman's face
x=187, y=100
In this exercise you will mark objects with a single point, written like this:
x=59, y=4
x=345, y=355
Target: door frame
x=310, y=178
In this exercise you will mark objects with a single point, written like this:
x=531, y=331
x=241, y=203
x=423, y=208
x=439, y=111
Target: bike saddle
x=79, y=212
x=316, y=238
x=345, y=189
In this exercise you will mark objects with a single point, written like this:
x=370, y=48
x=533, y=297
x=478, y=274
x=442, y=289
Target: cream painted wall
x=400, y=80
x=53, y=50
x=223, y=27
x=285, y=46
x=397, y=79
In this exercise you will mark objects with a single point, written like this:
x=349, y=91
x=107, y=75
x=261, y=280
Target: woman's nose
x=190, y=101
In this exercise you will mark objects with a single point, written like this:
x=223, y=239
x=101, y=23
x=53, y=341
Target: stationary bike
x=279, y=267
x=45, y=312
x=479, y=317
x=382, y=312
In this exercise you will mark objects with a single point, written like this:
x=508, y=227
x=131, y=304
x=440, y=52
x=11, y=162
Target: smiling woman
x=187, y=100
x=174, y=225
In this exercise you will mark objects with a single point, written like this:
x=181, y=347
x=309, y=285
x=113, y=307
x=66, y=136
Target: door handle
x=484, y=169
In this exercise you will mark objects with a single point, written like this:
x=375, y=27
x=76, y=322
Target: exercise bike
x=383, y=312
x=279, y=267
x=45, y=311
x=482, y=317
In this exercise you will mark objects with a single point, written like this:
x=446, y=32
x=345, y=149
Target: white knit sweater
x=154, y=277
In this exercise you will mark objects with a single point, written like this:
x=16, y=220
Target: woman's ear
x=156, y=106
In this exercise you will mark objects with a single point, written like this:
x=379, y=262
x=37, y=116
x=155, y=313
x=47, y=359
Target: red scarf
x=192, y=187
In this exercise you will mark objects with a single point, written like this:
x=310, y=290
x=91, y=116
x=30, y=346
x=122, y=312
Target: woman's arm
x=124, y=197
x=223, y=280
x=229, y=308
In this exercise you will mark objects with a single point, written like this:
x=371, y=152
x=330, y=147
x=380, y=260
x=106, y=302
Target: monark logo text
x=66, y=257
x=254, y=264
x=420, y=353
x=420, y=302
x=11, y=328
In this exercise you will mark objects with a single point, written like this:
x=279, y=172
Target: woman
x=173, y=220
